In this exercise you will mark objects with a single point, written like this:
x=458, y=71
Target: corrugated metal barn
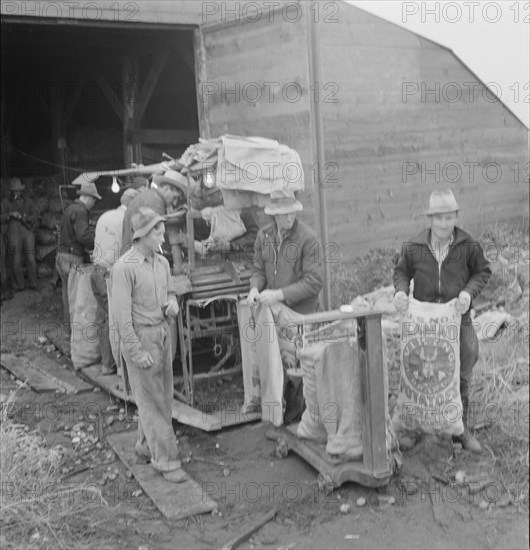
x=379, y=115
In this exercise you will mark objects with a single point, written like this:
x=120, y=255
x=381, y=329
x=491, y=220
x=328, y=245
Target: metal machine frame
x=208, y=285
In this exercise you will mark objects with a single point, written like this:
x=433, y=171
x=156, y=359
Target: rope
x=42, y=161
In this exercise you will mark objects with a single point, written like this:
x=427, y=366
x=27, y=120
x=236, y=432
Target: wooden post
x=200, y=80
x=57, y=103
x=130, y=96
x=317, y=134
x=373, y=395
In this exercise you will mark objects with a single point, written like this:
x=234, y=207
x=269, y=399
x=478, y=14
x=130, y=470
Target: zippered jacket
x=464, y=268
x=76, y=233
x=294, y=265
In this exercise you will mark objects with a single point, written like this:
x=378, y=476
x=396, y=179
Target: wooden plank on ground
x=174, y=500
x=230, y=417
x=59, y=375
x=20, y=368
x=111, y=383
x=180, y=411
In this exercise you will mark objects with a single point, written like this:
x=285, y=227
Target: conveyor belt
x=222, y=278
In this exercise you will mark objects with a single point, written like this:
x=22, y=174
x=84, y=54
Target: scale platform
x=331, y=473
x=377, y=464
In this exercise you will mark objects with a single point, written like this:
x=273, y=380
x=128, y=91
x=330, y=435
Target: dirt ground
x=239, y=470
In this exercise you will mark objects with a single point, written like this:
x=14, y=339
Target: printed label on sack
x=429, y=398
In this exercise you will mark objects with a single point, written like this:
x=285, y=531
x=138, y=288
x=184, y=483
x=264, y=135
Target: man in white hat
x=445, y=263
x=288, y=267
x=171, y=190
x=76, y=240
x=141, y=301
x=107, y=246
x=287, y=263
x=21, y=216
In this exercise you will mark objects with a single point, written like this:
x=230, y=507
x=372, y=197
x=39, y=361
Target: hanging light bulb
x=209, y=180
x=115, y=185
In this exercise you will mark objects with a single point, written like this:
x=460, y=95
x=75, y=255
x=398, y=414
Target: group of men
x=443, y=261
x=142, y=299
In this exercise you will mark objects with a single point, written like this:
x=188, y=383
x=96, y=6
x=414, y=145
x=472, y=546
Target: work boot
x=175, y=476
x=468, y=441
x=107, y=371
x=141, y=459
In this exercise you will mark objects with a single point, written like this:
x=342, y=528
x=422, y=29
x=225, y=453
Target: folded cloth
x=238, y=199
x=259, y=165
x=270, y=367
x=248, y=336
x=266, y=338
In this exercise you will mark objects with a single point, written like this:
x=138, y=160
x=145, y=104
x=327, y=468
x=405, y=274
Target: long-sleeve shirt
x=292, y=263
x=150, y=198
x=76, y=233
x=463, y=268
x=107, y=243
x=140, y=286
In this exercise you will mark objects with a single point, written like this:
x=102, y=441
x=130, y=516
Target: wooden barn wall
x=391, y=151
x=272, y=58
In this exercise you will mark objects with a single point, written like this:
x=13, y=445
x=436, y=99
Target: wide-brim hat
x=89, y=188
x=174, y=178
x=442, y=202
x=283, y=205
x=15, y=184
x=144, y=220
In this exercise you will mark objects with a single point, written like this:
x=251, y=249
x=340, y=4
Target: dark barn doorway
x=79, y=97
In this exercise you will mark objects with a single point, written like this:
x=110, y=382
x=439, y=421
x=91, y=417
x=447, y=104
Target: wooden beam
x=163, y=136
x=318, y=145
x=42, y=103
x=108, y=92
x=57, y=98
x=11, y=106
x=130, y=92
x=150, y=82
x=72, y=104
x=185, y=52
x=201, y=79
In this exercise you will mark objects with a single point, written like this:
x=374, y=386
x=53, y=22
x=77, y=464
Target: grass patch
x=361, y=275
x=37, y=509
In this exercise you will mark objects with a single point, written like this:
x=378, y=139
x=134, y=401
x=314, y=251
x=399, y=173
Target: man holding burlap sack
x=287, y=268
x=446, y=264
